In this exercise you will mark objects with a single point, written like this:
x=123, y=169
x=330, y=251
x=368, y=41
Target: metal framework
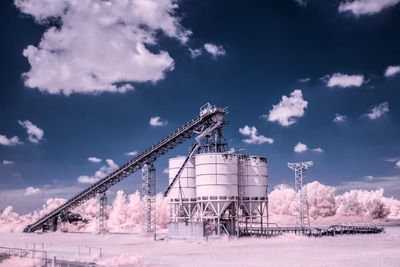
x=101, y=218
x=209, y=117
x=149, y=199
x=299, y=169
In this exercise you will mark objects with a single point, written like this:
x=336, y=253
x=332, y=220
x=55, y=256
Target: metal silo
x=183, y=194
x=216, y=181
x=253, y=182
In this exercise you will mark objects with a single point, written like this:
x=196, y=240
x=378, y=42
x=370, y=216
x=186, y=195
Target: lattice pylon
x=149, y=199
x=101, y=218
x=301, y=191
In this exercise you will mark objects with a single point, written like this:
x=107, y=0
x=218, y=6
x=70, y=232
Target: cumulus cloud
x=339, y=118
x=29, y=191
x=392, y=70
x=101, y=173
x=35, y=134
x=94, y=159
x=288, y=109
x=344, y=80
x=156, y=121
x=166, y=171
x=13, y=141
x=214, y=50
x=194, y=53
x=398, y=164
x=99, y=46
x=378, y=111
x=300, y=147
x=366, y=7
x=8, y=162
x=132, y=153
x=318, y=149
x=254, y=137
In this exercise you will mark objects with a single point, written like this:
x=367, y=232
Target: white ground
x=288, y=250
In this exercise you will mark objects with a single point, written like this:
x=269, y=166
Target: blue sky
x=81, y=81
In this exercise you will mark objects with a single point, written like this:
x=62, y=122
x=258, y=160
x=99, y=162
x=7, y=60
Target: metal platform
x=319, y=231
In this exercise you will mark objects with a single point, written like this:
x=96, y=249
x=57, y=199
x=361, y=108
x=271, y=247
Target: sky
x=86, y=85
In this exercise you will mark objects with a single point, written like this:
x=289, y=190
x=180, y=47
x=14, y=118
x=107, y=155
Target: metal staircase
x=209, y=118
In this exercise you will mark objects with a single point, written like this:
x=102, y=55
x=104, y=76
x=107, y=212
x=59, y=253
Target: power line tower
x=301, y=191
x=149, y=199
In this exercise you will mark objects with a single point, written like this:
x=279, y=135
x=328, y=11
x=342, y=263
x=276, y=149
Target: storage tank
x=187, y=180
x=253, y=181
x=217, y=179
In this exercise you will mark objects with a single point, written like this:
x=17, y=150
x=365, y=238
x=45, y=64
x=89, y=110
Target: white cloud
x=378, y=111
x=100, y=46
x=369, y=177
x=339, y=118
x=133, y=153
x=304, y=80
x=398, y=164
x=35, y=134
x=156, y=121
x=215, y=50
x=254, y=137
x=94, y=159
x=99, y=174
x=194, y=53
x=29, y=191
x=392, y=70
x=288, y=109
x=318, y=149
x=13, y=141
x=166, y=171
x=300, y=147
x=344, y=80
x=8, y=162
x=366, y=7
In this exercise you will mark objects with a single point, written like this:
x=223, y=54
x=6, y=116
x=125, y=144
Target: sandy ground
x=287, y=250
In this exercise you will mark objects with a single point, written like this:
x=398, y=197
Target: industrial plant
x=213, y=190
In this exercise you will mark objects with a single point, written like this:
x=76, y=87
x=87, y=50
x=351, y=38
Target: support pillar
x=101, y=223
x=149, y=199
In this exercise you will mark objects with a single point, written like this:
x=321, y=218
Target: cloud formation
x=94, y=159
x=35, y=134
x=29, y=191
x=99, y=46
x=132, y=153
x=318, y=149
x=8, y=162
x=101, y=173
x=156, y=121
x=254, y=137
x=398, y=164
x=366, y=7
x=214, y=50
x=290, y=108
x=13, y=141
x=339, y=118
x=378, y=111
x=300, y=147
x=392, y=70
x=344, y=80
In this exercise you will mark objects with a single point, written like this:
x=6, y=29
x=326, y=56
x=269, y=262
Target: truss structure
x=149, y=199
x=299, y=169
x=210, y=117
x=101, y=216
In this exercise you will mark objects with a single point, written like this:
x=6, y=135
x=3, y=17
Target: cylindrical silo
x=216, y=180
x=187, y=180
x=253, y=181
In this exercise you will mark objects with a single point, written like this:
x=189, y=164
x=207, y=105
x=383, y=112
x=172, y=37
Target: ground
x=287, y=250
